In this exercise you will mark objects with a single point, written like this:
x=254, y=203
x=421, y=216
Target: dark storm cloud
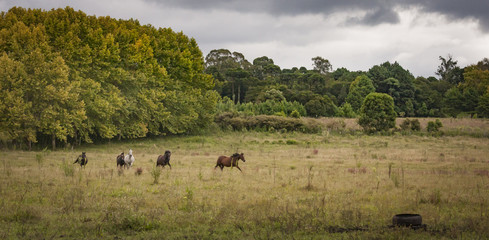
x=376, y=11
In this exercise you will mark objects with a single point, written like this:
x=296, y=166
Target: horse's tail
x=219, y=160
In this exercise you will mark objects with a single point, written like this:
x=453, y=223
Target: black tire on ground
x=407, y=220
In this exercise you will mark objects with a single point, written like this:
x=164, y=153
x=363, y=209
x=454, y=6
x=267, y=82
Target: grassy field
x=293, y=186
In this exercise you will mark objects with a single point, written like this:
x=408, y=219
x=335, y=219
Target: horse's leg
x=169, y=165
x=217, y=165
x=239, y=168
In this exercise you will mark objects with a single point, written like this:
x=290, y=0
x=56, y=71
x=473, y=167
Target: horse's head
x=168, y=153
x=241, y=156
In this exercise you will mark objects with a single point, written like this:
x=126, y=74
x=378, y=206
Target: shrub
x=434, y=126
x=321, y=106
x=295, y=114
x=266, y=123
x=268, y=107
x=410, y=125
x=377, y=113
x=155, y=173
x=346, y=111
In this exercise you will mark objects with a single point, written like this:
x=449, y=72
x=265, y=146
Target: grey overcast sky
x=355, y=34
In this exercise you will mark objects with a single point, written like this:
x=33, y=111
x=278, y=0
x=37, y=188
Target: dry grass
x=292, y=186
x=456, y=126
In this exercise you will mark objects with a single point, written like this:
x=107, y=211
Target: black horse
x=82, y=159
x=164, y=160
x=120, y=160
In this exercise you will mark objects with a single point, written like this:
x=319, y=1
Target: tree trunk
x=232, y=92
x=75, y=141
x=54, y=141
x=239, y=93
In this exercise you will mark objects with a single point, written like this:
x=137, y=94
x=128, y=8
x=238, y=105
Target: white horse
x=129, y=159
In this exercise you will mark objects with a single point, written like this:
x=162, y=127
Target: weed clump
x=68, y=169
x=155, y=173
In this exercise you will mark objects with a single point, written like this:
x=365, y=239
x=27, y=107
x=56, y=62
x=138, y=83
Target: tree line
x=70, y=77
x=454, y=92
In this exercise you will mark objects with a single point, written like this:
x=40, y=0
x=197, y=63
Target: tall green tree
x=449, y=71
x=321, y=106
x=323, y=66
x=396, y=81
x=112, y=78
x=359, y=89
x=16, y=117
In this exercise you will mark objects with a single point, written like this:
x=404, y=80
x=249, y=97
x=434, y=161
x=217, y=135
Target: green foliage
x=359, y=89
x=321, y=65
x=321, y=107
x=434, y=126
x=449, y=71
x=377, y=113
x=68, y=76
x=155, y=173
x=393, y=79
x=272, y=94
x=410, y=125
x=269, y=107
x=346, y=111
x=265, y=123
x=483, y=107
x=295, y=114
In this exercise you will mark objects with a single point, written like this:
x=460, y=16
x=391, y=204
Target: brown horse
x=164, y=160
x=120, y=160
x=232, y=161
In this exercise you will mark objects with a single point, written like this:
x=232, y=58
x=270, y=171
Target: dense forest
x=457, y=92
x=70, y=77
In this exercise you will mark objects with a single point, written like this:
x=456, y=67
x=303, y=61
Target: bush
x=434, y=126
x=155, y=173
x=269, y=107
x=265, y=123
x=321, y=107
x=377, y=113
x=295, y=114
x=410, y=125
x=346, y=111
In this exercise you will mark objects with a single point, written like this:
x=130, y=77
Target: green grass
x=320, y=186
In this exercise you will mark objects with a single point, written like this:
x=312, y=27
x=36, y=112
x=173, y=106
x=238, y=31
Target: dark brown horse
x=120, y=160
x=164, y=160
x=232, y=161
x=82, y=160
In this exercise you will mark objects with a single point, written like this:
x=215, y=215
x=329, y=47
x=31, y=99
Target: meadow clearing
x=293, y=186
